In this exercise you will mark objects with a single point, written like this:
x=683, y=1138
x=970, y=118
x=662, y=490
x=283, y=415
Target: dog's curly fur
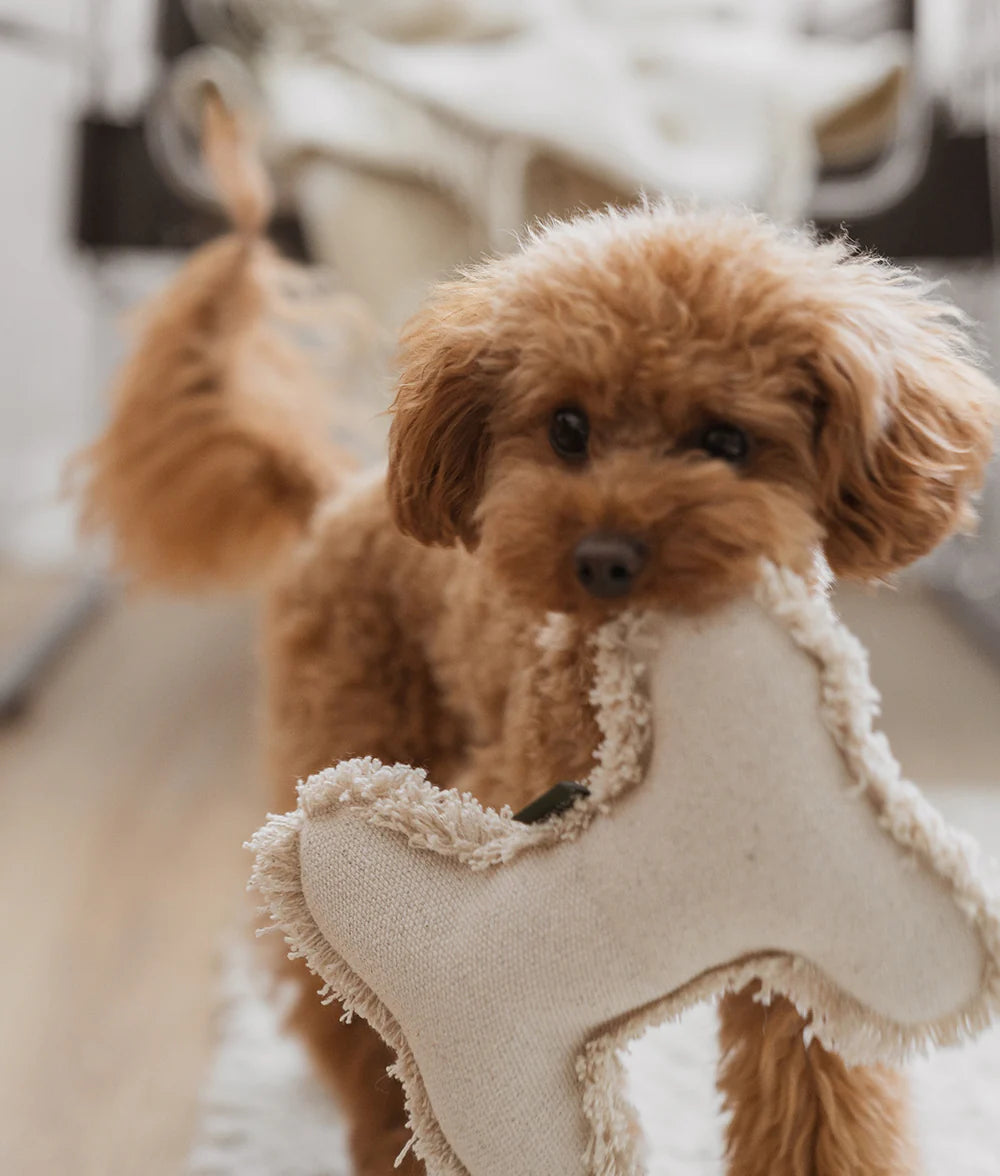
x=402, y=624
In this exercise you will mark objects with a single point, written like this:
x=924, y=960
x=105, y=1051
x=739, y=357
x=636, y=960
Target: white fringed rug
x=264, y=1114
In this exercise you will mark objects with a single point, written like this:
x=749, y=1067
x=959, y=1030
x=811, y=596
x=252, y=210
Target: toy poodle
x=630, y=410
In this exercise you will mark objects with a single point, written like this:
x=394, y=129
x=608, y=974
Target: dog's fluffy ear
x=439, y=443
x=905, y=420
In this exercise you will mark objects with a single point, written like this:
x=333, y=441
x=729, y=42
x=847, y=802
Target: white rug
x=264, y=1114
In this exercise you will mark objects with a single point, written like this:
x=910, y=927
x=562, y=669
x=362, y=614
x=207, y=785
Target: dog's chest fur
x=376, y=645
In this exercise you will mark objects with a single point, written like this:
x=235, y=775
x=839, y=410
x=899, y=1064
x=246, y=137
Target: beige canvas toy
x=743, y=820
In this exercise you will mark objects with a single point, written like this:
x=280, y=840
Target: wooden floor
x=125, y=795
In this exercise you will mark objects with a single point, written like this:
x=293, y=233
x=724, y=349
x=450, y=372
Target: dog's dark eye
x=726, y=442
x=569, y=433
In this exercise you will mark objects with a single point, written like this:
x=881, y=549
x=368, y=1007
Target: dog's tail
x=216, y=452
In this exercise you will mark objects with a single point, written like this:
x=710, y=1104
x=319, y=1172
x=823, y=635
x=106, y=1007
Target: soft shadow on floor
x=126, y=791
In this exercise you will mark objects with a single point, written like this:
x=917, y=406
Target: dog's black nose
x=607, y=564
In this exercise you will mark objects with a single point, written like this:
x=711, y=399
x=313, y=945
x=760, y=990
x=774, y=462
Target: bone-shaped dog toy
x=743, y=822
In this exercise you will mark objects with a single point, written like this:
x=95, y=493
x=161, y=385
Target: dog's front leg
x=352, y=1059
x=795, y=1109
x=548, y=732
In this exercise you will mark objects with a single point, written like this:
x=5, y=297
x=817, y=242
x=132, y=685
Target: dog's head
x=637, y=407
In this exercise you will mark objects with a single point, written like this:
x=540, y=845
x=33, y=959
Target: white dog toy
x=742, y=821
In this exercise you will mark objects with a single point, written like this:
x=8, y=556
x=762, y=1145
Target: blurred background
x=404, y=137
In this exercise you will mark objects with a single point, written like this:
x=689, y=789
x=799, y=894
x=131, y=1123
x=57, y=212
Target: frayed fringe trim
x=402, y=799
x=277, y=877
x=849, y=707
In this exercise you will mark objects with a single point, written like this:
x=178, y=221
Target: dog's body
x=634, y=409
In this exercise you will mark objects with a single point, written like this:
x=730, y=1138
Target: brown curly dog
x=632, y=409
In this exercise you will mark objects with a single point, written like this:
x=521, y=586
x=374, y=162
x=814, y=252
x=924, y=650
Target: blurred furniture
x=934, y=198
x=928, y=194
x=128, y=196
x=412, y=135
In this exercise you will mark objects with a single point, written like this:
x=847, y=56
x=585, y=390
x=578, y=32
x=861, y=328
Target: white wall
x=53, y=328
